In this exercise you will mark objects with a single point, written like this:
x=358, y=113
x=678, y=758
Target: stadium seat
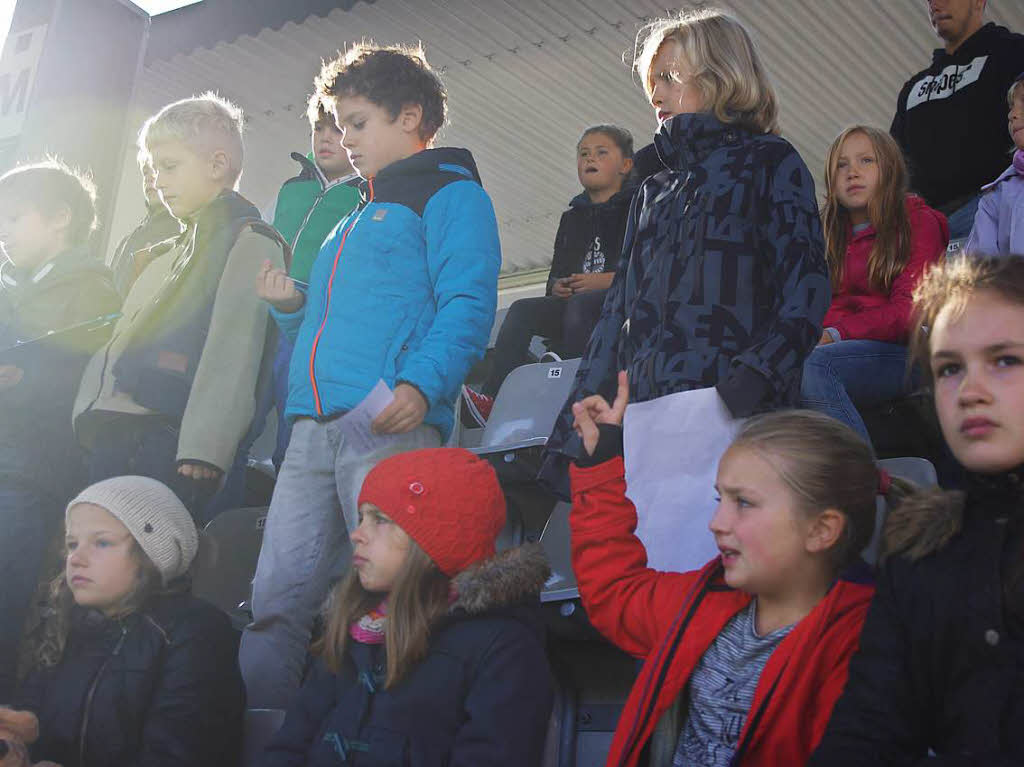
x=527, y=406
x=261, y=724
x=224, y=576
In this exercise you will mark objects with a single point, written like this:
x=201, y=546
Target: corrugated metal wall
x=525, y=77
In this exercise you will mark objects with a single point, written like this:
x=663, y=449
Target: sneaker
x=479, y=405
x=550, y=356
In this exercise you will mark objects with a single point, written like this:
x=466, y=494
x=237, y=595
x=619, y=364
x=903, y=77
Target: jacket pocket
x=398, y=348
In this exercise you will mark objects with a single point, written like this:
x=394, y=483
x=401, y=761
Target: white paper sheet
x=672, y=448
x=355, y=424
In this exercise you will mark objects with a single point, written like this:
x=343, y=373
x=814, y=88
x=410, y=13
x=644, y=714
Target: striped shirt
x=721, y=691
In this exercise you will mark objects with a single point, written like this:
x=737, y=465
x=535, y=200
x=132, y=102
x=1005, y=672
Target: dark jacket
x=482, y=696
x=145, y=242
x=951, y=117
x=159, y=688
x=937, y=666
x=724, y=283
x=589, y=237
x=37, y=443
x=308, y=207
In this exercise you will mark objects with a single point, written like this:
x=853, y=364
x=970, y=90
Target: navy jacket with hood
x=404, y=290
x=481, y=696
x=723, y=284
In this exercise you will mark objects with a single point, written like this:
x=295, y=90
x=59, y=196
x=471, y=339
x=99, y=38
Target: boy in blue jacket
x=403, y=290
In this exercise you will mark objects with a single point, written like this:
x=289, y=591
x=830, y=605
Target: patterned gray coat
x=722, y=280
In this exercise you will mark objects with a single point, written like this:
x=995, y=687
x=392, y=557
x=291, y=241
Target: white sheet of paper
x=355, y=424
x=672, y=448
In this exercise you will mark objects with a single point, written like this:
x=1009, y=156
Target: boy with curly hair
x=403, y=290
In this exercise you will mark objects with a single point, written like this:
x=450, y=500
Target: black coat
x=481, y=697
x=589, y=237
x=937, y=666
x=159, y=688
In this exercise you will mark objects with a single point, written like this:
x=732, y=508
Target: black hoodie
x=951, y=117
x=589, y=237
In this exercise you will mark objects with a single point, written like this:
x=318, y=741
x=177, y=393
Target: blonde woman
x=723, y=281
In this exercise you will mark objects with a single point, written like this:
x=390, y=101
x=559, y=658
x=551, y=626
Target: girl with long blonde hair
x=878, y=241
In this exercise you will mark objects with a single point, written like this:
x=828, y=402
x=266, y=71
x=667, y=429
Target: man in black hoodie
x=587, y=249
x=951, y=117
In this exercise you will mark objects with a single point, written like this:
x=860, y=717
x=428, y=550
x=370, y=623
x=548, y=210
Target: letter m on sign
x=18, y=65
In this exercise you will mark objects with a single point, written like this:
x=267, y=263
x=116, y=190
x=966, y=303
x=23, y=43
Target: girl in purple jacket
x=999, y=222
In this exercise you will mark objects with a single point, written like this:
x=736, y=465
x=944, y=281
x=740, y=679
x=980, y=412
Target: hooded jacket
x=589, y=237
x=951, y=117
x=37, y=443
x=858, y=311
x=937, y=666
x=481, y=696
x=308, y=208
x=158, y=688
x=724, y=282
x=999, y=223
x=404, y=290
x=671, y=619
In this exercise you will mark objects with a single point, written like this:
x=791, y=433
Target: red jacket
x=858, y=311
x=671, y=619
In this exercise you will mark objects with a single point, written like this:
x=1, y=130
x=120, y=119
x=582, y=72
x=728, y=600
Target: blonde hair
x=724, y=64
x=887, y=212
x=826, y=465
x=205, y=123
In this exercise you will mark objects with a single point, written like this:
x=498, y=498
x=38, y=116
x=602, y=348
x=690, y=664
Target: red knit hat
x=445, y=498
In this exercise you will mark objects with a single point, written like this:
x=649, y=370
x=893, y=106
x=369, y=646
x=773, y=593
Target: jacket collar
x=686, y=140
x=510, y=578
x=13, y=278
x=582, y=200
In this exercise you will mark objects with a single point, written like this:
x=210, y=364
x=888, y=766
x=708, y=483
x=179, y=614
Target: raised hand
x=595, y=410
x=278, y=289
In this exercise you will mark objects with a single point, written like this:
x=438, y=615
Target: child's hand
x=595, y=409
x=10, y=376
x=406, y=411
x=198, y=471
x=561, y=288
x=583, y=283
x=278, y=289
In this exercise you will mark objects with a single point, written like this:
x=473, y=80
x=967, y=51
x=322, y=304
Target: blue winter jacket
x=404, y=289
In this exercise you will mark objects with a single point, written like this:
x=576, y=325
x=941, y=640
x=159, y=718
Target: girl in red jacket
x=878, y=241
x=754, y=647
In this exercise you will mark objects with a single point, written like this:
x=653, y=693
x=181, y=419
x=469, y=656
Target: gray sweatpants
x=305, y=547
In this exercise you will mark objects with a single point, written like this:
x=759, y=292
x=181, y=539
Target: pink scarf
x=370, y=628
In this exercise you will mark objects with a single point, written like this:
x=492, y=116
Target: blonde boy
x=173, y=392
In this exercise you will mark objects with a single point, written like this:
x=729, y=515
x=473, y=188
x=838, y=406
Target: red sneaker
x=479, y=405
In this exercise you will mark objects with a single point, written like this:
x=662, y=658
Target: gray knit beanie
x=153, y=515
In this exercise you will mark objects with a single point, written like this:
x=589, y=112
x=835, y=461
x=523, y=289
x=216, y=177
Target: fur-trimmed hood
x=923, y=523
x=510, y=578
